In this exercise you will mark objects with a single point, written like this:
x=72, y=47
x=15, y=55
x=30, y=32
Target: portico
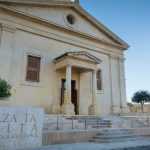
x=84, y=62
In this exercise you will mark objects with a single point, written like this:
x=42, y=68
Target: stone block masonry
x=20, y=127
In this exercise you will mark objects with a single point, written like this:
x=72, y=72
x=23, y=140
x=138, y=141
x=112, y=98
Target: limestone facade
x=41, y=29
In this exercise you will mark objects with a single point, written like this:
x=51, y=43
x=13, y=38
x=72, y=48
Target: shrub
x=4, y=89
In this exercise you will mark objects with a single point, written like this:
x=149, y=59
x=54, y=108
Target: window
x=99, y=80
x=70, y=19
x=33, y=68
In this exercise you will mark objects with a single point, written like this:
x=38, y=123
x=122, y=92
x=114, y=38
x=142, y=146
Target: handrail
x=75, y=122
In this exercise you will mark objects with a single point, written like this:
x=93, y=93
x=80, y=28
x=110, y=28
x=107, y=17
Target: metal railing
x=61, y=122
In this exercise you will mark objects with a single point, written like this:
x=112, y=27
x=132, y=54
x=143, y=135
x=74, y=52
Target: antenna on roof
x=77, y=1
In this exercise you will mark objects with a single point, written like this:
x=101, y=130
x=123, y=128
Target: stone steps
x=79, y=122
x=115, y=140
x=115, y=135
x=116, y=131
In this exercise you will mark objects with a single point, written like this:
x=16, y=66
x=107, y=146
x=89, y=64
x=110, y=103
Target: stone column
x=68, y=84
x=68, y=107
x=92, y=108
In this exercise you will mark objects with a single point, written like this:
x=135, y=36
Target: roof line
x=101, y=26
x=37, y=2
x=78, y=8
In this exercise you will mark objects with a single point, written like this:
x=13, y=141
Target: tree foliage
x=4, y=89
x=141, y=97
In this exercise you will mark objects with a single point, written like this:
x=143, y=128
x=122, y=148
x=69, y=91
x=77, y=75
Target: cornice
x=101, y=27
x=61, y=38
x=48, y=23
x=38, y=2
x=79, y=9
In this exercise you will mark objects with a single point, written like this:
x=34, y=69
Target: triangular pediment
x=81, y=55
x=56, y=11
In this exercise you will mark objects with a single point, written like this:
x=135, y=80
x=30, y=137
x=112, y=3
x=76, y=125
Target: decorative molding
x=75, y=5
x=62, y=38
x=84, y=35
x=39, y=2
x=102, y=27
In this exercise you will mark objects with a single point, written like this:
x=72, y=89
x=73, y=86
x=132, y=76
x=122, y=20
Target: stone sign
x=20, y=127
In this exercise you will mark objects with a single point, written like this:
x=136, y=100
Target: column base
x=68, y=109
x=116, y=109
x=125, y=110
x=92, y=110
x=55, y=109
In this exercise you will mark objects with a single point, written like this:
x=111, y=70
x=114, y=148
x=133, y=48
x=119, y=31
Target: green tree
x=4, y=89
x=141, y=97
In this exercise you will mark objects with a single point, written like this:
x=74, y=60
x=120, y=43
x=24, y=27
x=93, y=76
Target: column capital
x=94, y=70
x=8, y=28
x=118, y=57
x=68, y=65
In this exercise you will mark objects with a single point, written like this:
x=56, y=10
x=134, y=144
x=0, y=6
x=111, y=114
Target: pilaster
x=6, y=50
x=123, y=99
x=118, y=98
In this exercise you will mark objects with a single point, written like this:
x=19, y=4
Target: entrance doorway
x=74, y=98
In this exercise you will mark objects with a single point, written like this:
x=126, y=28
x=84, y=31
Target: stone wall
x=137, y=108
x=20, y=127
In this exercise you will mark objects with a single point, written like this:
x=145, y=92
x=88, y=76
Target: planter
x=4, y=98
x=5, y=101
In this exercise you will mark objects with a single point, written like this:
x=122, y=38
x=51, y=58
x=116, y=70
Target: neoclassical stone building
x=57, y=56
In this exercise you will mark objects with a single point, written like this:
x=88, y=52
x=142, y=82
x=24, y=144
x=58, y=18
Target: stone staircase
x=116, y=135
x=75, y=122
x=60, y=129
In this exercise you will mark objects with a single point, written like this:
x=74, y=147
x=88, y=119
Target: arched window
x=99, y=79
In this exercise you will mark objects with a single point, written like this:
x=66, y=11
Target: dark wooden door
x=73, y=94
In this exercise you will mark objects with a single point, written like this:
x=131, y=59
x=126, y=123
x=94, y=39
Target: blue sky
x=130, y=19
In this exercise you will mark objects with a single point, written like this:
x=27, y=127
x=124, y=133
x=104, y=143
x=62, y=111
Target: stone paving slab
x=129, y=145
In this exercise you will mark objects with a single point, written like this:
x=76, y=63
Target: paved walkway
x=129, y=145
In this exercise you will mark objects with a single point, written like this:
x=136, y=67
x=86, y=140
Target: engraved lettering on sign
x=34, y=131
x=6, y=117
x=15, y=126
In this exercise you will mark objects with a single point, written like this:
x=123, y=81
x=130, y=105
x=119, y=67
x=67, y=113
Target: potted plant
x=4, y=89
